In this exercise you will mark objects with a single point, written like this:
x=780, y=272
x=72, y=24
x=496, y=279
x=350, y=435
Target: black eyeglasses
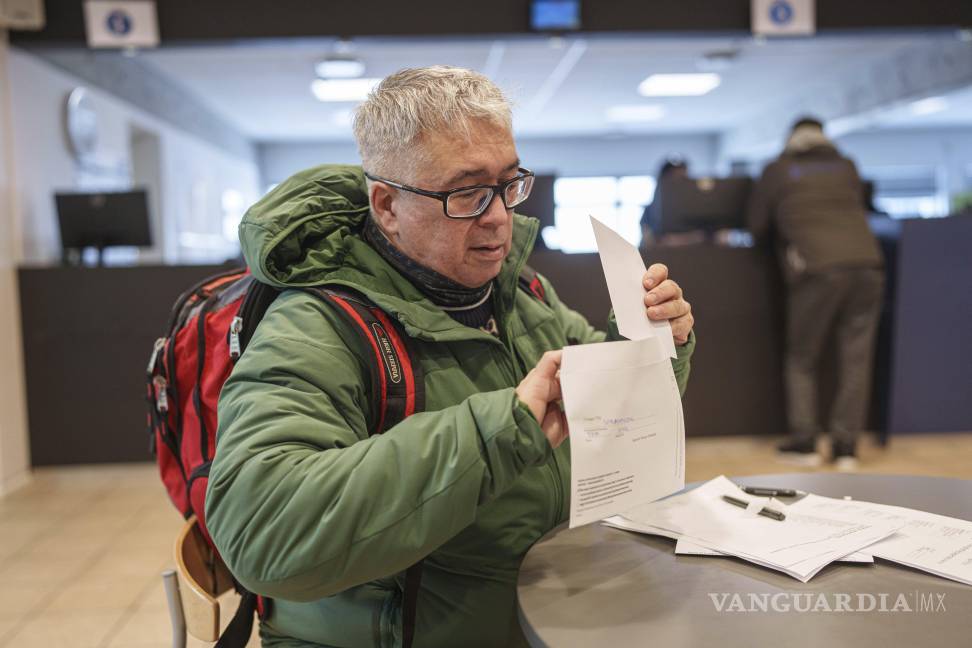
x=471, y=201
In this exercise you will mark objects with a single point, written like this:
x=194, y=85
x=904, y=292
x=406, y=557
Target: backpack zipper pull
x=161, y=397
x=234, y=338
x=156, y=348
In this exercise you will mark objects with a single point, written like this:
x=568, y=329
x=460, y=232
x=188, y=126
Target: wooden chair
x=192, y=588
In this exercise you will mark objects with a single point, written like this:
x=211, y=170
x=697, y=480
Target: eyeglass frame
x=443, y=196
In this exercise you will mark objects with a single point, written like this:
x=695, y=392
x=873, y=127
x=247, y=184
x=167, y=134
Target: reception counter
x=88, y=332
x=87, y=336
x=735, y=386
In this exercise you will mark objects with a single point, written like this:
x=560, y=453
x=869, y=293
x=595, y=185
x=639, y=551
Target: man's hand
x=540, y=391
x=664, y=301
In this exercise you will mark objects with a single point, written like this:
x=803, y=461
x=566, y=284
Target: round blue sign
x=119, y=22
x=781, y=12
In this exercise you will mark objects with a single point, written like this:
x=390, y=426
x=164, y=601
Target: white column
x=14, y=448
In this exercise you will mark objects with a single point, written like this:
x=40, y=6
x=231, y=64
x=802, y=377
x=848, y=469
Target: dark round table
x=599, y=586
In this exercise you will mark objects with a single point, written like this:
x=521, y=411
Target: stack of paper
x=684, y=547
x=937, y=544
x=801, y=545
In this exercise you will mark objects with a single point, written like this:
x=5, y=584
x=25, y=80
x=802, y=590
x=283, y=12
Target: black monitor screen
x=103, y=220
x=709, y=204
x=540, y=204
x=555, y=15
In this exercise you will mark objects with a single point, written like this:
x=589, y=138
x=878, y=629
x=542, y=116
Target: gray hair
x=414, y=102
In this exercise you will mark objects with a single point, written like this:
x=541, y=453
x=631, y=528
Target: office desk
x=598, y=586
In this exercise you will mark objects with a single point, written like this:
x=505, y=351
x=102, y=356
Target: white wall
x=14, y=459
x=947, y=150
x=592, y=156
x=579, y=156
x=35, y=162
x=944, y=153
x=193, y=173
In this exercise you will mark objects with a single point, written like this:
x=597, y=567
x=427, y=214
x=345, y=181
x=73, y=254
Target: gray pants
x=848, y=300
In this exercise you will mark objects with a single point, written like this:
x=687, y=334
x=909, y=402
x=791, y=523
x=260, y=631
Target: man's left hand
x=664, y=301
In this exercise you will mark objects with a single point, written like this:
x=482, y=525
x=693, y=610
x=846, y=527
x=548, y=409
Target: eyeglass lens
x=475, y=201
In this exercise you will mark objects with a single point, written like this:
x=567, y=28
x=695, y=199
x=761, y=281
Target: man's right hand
x=540, y=391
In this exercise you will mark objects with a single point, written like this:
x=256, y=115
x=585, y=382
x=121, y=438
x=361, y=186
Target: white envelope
x=624, y=270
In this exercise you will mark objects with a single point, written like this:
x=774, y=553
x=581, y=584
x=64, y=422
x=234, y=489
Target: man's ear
x=382, y=199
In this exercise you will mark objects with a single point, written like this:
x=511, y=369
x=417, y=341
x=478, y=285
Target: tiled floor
x=81, y=553
x=81, y=548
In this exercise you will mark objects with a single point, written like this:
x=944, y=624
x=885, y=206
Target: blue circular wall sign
x=781, y=12
x=119, y=22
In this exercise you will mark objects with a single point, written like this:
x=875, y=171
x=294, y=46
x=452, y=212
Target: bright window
x=908, y=192
x=911, y=206
x=618, y=202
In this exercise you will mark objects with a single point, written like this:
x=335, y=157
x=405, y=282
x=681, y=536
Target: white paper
x=937, y=544
x=627, y=437
x=623, y=523
x=624, y=271
x=684, y=547
x=800, y=545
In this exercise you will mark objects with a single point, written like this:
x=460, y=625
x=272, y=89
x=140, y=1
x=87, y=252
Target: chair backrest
x=202, y=579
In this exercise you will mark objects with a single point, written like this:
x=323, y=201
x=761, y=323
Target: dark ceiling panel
x=186, y=21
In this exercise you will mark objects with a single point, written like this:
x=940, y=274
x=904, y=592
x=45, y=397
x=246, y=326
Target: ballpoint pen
x=767, y=491
x=767, y=512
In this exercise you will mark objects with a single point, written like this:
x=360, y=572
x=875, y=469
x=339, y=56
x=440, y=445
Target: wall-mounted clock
x=81, y=125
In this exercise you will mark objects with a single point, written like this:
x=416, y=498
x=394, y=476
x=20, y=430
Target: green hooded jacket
x=307, y=509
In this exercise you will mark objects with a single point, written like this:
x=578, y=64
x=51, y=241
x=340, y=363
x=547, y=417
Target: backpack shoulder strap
x=258, y=298
x=400, y=383
x=530, y=282
x=396, y=378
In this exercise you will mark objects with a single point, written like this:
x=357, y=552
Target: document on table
x=937, y=544
x=800, y=545
x=624, y=270
x=684, y=547
x=627, y=435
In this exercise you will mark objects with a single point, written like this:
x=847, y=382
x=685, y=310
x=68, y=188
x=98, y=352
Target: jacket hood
x=806, y=138
x=296, y=235
x=305, y=232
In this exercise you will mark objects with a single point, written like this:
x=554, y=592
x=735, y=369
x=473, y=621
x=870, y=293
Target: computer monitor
x=102, y=220
x=555, y=15
x=540, y=204
x=708, y=204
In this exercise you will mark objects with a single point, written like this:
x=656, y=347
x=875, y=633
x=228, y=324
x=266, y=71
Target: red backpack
x=208, y=331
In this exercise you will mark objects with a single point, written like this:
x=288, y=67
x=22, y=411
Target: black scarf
x=468, y=306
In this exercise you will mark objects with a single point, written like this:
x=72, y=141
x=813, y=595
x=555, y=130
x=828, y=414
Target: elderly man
x=303, y=505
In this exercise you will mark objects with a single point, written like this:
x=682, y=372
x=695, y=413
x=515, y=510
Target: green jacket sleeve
x=580, y=331
x=302, y=504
